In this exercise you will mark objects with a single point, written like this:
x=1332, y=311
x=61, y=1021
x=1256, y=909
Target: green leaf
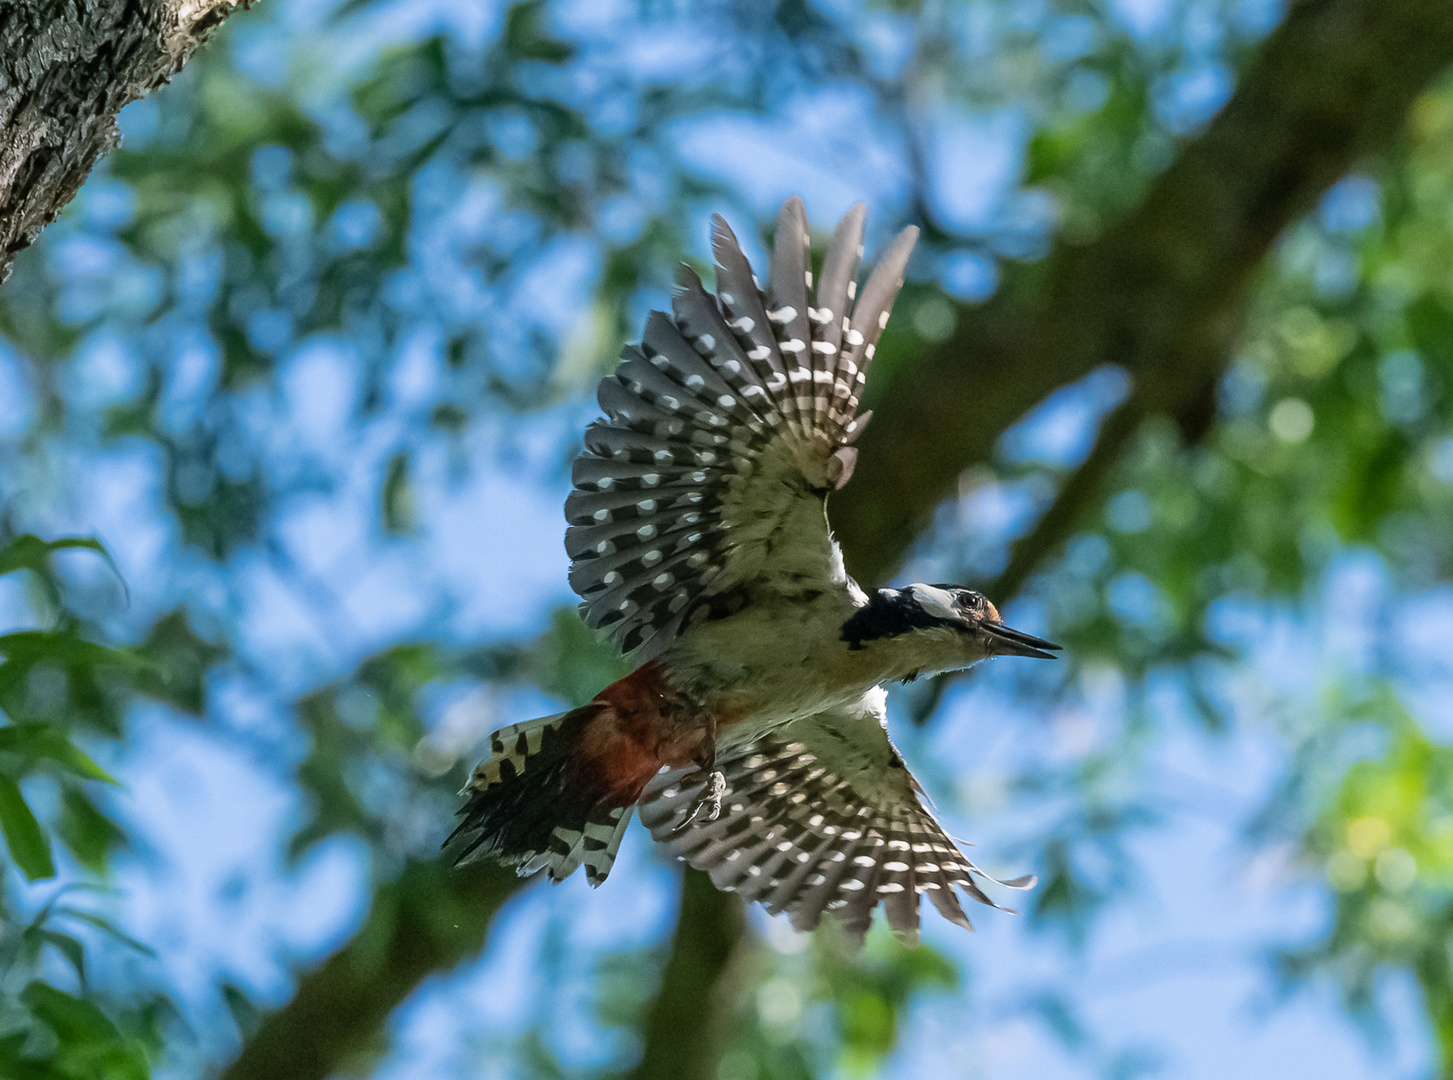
x=24, y=649
x=1430, y=321
x=69, y=947
x=246, y=1015
x=89, y=833
x=105, y=925
x=572, y=661
x=90, y=1044
x=64, y=647
x=73, y=1019
x=11, y=1047
x=30, y=552
x=398, y=497
x=526, y=37
x=27, y=841
x=178, y=660
x=44, y=741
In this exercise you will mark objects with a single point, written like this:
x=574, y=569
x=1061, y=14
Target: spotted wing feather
x=724, y=431
x=869, y=317
x=832, y=316
x=820, y=815
x=787, y=308
x=745, y=311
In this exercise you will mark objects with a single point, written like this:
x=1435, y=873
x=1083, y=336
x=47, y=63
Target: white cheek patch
x=937, y=602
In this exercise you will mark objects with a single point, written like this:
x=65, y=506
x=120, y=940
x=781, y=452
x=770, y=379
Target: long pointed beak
x=1010, y=642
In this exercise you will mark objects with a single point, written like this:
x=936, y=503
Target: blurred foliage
x=356, y=260
x=1384, y=841
x=817, y=1010
x=55, y=687
x=53, y=683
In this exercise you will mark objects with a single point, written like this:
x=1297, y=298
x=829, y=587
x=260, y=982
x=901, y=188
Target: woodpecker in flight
x=752, y=734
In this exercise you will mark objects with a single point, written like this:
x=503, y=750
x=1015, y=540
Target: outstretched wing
x=820, y=815
x=725, y=429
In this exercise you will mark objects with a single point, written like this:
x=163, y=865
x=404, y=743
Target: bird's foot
x=707, y=804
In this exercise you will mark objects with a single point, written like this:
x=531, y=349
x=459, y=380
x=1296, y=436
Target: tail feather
x=601, y=842
x=526, y=808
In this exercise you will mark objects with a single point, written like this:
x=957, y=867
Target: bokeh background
x=309, y=357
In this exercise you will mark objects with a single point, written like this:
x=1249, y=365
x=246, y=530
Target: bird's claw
x=707, y=804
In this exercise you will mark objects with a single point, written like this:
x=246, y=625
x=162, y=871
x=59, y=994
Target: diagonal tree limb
x=430, y=918
x=1187, y=394
x=1076, y=495
x=1329, y=86
x=1161, y=293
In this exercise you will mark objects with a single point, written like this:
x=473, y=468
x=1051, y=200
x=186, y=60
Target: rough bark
x=66, y=70
x=1161, y=293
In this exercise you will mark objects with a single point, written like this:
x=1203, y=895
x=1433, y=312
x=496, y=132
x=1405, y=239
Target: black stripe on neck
x=888, y=613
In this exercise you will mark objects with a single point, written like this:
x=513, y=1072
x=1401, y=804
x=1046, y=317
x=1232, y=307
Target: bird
x=751, y=735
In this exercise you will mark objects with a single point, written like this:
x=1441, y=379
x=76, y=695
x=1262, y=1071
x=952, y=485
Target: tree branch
x=686, y=1027
x=1330, y=85
x=66, y=70
x=427, y=919
x=1056, y=525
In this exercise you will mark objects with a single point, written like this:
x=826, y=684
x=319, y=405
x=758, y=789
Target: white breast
x=777, y=655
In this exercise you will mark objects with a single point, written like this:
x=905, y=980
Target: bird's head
x=950, y=626
x=970, y=613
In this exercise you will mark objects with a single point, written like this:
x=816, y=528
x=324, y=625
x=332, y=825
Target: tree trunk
x=66, y=70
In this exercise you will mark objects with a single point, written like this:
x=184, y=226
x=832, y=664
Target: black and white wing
x=820, y=815
x=724, y=431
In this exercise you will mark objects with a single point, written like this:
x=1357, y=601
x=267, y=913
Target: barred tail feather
x=525, y=809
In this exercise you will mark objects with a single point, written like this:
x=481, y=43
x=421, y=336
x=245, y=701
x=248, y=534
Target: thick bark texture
x=66, y=70
x=1161, y=293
